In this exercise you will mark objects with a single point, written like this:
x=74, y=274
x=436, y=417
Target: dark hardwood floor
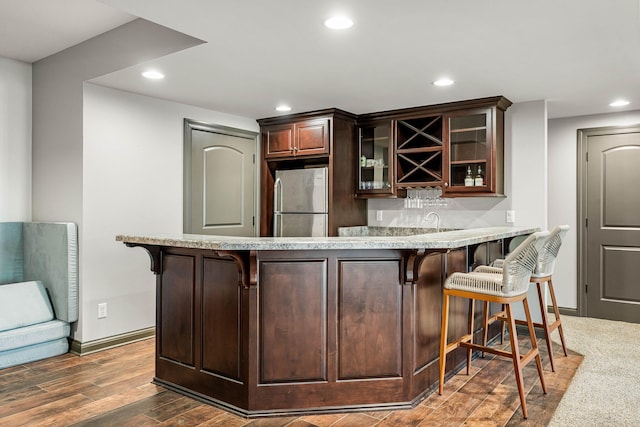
x=113, y=388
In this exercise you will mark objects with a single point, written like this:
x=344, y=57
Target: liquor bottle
x=468, y=180
x=479, y=181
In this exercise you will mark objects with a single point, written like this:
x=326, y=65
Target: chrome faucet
x=426, y=218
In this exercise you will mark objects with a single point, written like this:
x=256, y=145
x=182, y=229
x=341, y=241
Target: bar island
x=277, y=326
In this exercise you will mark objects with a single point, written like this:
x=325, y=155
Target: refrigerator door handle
x=277, y=225
x=277, y=208
x=277, y=200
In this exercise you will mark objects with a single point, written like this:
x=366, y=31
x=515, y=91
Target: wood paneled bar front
x=276, y=326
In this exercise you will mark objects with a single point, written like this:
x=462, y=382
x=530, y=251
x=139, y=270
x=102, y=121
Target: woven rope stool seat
x=506, y=288
x=541, y=275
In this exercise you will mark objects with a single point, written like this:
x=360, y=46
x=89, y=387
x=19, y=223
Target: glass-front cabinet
x=456, y=146
x=471, y=159
x=375, y=160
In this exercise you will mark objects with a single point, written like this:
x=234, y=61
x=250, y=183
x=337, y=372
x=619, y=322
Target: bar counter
x=431, y=240
x=277, y=326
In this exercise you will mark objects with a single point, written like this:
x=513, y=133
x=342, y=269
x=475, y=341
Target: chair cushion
x=24, y=304
x=33, y=334
x=33, y=352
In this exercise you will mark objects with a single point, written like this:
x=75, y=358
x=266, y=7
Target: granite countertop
x=439, y=240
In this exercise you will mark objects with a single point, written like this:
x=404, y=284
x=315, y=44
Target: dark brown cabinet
x=437, y=146
x=314, y=139
x=458, y=146
x=302, y=138
x=474, y=150
x=280, y=332
x=376, y=171
x=419, y=151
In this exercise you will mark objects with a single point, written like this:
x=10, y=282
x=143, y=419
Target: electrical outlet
x=511, y=217
x=102, y=310
x=378, y=215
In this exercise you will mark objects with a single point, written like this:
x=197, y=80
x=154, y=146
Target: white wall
x=57, y=139
x=526, y=162
x=563, y=177
x=15, y=140
x=132, y=176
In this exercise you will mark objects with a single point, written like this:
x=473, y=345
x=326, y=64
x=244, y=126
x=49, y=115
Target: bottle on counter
x=468, y=180
x=479, y=180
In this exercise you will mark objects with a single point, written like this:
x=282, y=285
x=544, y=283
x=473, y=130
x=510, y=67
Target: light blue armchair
x=38, y=290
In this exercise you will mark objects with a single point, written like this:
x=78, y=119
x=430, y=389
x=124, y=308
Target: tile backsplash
x=460, y=212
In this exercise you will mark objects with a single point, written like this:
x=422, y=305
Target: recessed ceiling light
x=619, y=103
x=443, y=82
x=153, y=75
x=283, y=108
x=338, y=22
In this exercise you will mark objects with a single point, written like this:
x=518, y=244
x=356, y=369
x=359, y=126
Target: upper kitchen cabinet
x=375, y=160
x=474, y=149
x=299, y=138
x=314, y=139
x=419, y=151
x=457, y=146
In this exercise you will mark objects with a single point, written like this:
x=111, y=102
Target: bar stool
x=541, y=275
x=506, y=288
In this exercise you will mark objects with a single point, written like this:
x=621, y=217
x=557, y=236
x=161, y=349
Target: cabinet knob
x=446, y=184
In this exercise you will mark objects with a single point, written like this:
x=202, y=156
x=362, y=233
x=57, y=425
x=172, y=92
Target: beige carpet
x=605, y=390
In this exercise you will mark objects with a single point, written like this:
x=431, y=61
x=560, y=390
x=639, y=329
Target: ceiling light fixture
x=443, y=82
x=153, y=75
x=619, y=103
x=283, y=108
x=338, y=22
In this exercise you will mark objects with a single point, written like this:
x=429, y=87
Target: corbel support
x=155, y=253
x=247, y=266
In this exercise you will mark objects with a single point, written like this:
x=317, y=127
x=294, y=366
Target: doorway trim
x=191, y=125
x=583, y=136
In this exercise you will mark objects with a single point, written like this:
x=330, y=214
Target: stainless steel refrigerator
x=301, y=203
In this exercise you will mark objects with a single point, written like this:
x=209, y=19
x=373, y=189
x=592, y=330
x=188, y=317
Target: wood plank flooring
x=113, y=388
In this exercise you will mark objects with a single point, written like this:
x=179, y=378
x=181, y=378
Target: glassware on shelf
x=423, y=198
x=374, y=172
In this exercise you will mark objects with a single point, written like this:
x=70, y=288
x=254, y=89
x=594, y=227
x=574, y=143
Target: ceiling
x=579, y=55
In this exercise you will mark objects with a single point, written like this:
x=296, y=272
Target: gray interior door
x=613, y=224
x=219, y=180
